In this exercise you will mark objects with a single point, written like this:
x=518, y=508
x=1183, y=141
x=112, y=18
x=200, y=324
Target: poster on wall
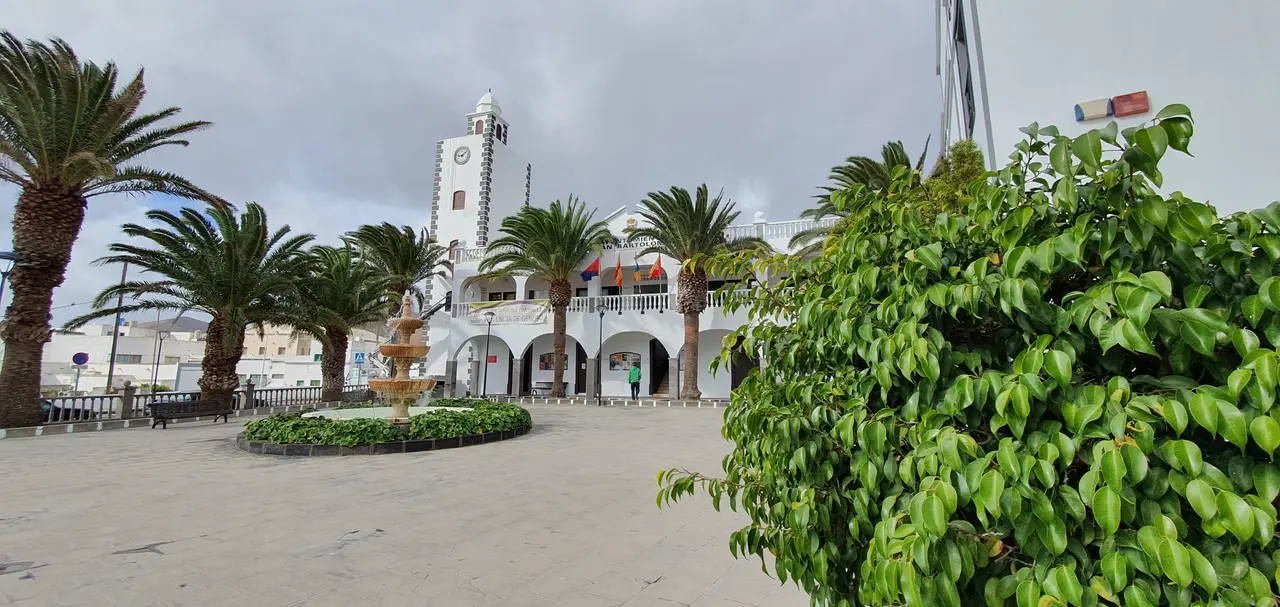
x=546, y=362
x=623, y=361
x=523, y=312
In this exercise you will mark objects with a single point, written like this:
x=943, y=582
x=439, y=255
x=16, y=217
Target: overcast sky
x=328, y=112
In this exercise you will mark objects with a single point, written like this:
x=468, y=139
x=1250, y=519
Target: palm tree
x=547, y=244
x=857, y=171
x=689, y=228
x=67, y=134
x=230, y=267
x=343, y=293
x=406, y=257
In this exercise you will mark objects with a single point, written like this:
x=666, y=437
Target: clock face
x=462, y=155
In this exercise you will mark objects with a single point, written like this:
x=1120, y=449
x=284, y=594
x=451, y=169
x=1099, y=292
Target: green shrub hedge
x=295, y=429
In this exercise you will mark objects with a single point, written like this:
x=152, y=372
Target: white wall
x=1042, y=58
x=507, y=190
x=459, y=225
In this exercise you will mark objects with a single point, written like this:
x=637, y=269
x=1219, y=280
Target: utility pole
x=115, y=330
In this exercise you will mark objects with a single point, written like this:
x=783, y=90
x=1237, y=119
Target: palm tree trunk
x=333, y=359
x=689, y=386
x=45, y=226
x=222, y=349
x=691, y=301
x=559, y=294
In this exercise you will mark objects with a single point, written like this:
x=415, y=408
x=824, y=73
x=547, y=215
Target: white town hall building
x=478, y=181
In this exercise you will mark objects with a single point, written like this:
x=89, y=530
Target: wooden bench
x=161, y=413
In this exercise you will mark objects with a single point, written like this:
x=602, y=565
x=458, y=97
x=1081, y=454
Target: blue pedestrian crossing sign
x=359, y=358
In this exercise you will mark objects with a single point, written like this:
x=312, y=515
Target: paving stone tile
x=562, y=515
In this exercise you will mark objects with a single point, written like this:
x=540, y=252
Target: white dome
x=488, y=104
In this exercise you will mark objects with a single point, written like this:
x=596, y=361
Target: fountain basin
x=411, y=387
x=404, y=350
x=375, y=412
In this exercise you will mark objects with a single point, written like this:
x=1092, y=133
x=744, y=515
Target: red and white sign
x=493, y=359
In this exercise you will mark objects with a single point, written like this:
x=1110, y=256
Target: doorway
x=743, y=363
x=526, y=372
x=580, y=371
x=659, y=367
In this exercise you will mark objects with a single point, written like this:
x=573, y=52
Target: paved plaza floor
x=562, y=516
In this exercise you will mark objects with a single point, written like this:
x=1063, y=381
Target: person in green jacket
x=634, y=378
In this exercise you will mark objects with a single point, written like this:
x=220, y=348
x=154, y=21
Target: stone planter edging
x=404, y=446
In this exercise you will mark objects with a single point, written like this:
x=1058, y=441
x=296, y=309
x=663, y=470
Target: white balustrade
x=788, y=229
x=619, y=303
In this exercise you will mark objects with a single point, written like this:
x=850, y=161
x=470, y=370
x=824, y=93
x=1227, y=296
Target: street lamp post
x=155, y=368
x=484, y=383
x=599, y=356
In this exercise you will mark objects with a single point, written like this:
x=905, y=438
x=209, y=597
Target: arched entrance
x=727, y=376
x=538, y=358
x=481, y=376
x=623, y=350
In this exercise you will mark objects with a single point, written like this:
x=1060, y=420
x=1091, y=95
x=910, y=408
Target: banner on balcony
x=524, y=312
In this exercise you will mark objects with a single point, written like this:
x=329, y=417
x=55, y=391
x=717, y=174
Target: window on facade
x=479, y=127
x=316, y=357
x=278, y=376
x=503, y=296
x=129, y=359
x=280, y=350
x=459, y=200
x=965, y=74
x=304, y=347
x=172, y=360
x=580, y=292
x=262, y=350
x=648, y=289
x=315, y=382
x=612, y=291
x=300, y=382
x=453, y=250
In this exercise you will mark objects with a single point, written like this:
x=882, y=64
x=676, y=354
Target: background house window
x=304, y=347
x=300, y=383
x=459, y=200
x=316, y=357
x=315, y=382
x=262, y=350
x=172, y=360
x=129, y=359
x=580, y=292
x=280, y=350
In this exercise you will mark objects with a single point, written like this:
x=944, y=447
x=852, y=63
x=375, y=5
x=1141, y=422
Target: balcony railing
x=616, y=303
x=788, y=229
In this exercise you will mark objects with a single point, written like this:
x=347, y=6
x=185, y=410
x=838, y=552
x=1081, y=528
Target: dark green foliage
x=484, y=417
x=293, y=428
x=1064, y=395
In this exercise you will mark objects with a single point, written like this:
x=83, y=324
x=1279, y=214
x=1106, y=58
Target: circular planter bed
x=457, y=423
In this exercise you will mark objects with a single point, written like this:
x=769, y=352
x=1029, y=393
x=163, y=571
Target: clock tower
x=478, y=180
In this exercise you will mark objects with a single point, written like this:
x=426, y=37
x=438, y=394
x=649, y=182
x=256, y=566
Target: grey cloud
x=328, y=112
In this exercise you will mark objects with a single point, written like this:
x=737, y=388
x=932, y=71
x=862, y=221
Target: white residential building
x=172, y=358
x=514, y=353
x=1004, y=64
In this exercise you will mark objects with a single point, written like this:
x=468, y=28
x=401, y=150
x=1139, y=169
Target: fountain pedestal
x=401, y=391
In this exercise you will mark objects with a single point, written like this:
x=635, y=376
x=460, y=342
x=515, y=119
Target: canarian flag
x=656, y=270
x=592, y=270
x=639, y=276
x=617, y=272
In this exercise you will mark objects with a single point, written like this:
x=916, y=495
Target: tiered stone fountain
x=400, y=391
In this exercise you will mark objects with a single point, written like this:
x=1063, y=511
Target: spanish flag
x=617, y=273
x=656, y=270
x=592, y=270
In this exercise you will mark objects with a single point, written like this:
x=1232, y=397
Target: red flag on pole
x=656, y=270
x=617, y=272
